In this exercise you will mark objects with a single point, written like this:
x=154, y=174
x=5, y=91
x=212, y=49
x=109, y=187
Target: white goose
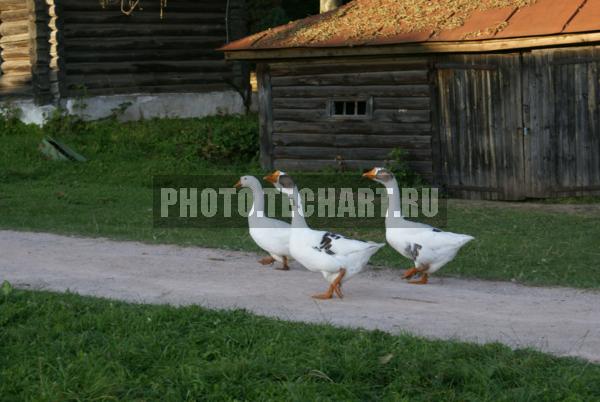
x=428, y=247
x=336, y=257
x=272, y=235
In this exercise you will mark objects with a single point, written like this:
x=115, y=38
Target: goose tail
x=374, y=247
x=464, y=239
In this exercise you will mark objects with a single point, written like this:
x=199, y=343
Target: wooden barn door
x=561, y=104
x=481, y=126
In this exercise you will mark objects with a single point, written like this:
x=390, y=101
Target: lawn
x=111, y=196
x=67, y=347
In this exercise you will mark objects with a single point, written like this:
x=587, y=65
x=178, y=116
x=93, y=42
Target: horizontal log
x=199, y=66
x=6, y=3
x=150, y=89
x=346, y=66
x=15, y=80
x=16, y=93
x=350, y=91
x=352, y=127
x=372, y=78
x=124, y=30
x=301, y=115
x=14, y=38
x=116, y=16
x=9, y=66
x=412, y=103
x=314, y=115
x=345, y=153
x=421, y=167
x=143, y=55
x=300, y=103
x=18, y=52
x=353, y=140
x=134, y=42
x=402, y=116
x=126, y=80
x=150, y=7
x=14, y=15
x=14, y=28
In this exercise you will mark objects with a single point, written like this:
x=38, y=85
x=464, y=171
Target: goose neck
x=258, y=204
x=298, y=220
x=394, y=207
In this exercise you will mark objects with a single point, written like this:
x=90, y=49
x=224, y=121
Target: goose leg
x=420, y=281
x=334, y=287
x=267, y=260
x=285, y=266
x=325, y=296
x=337, y=284
x=409, y=273
x=338, y=291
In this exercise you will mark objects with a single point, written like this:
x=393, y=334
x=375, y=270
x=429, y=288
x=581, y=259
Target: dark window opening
x=350, y=108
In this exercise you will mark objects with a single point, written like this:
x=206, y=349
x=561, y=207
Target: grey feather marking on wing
x=413, y=250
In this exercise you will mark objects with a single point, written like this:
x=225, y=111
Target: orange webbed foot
x=421, y=281
x=323, y=296
x=267, y=261
x=409, y=273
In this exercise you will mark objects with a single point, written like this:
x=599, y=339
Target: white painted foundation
x=143, y=106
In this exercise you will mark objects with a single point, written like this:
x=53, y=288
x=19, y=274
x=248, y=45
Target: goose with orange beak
x=271, y=235
x=428, y=247
x=336, y=257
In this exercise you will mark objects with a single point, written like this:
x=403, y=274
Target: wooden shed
x=491, y=99
x=52, y=50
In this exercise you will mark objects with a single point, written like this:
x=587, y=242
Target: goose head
x=380, y=175
x=282, y=182
x=248, y=181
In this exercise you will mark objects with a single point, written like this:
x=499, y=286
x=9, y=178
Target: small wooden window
x=350, y=108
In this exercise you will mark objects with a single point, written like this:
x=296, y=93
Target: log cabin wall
x=104, y=52
x=502, y=126
x=300, y=129
x=15, y=63
x=24, y=42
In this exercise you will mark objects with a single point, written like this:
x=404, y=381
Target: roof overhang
x=482, y=46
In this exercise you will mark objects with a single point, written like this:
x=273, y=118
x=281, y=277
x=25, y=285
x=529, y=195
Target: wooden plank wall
x=304, y=136
x=106, y=52
x=562, y=104
x=480, y=126
x=15, y=67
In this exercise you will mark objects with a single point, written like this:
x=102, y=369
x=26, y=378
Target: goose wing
x=435, y=238
x=338, y=245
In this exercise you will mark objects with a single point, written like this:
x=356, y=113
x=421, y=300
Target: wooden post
x=328, y=5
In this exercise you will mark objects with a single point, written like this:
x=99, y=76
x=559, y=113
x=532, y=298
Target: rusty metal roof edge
x=474, y=46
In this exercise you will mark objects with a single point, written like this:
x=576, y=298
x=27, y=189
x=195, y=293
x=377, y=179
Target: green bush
x=231, y=139
x=398, y=164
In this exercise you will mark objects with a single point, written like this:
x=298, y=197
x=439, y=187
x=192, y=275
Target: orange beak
x=273, y=177
x=370, y=174
x=238, y=184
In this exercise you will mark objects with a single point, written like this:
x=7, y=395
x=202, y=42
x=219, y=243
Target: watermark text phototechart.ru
x=193, y=201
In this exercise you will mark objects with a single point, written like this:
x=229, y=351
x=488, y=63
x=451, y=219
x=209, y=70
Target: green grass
x=111, y=196
x=71, y=348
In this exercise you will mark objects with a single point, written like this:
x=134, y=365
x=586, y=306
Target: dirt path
x=556, y=320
